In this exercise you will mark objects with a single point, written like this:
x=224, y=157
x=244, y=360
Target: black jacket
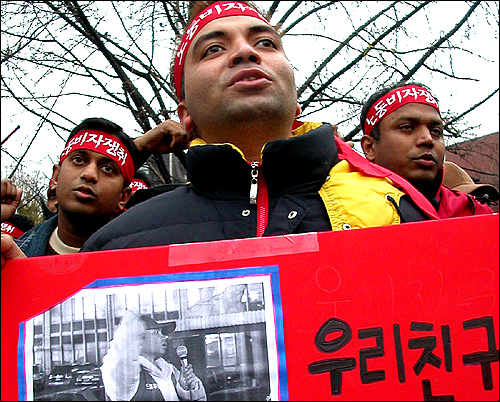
x=215, y=205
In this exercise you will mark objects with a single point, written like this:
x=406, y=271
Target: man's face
x=155, y=343
x=236, y=70
x=89, y=183
x=411, y=143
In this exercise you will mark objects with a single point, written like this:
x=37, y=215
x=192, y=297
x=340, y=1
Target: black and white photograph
x=211, y=339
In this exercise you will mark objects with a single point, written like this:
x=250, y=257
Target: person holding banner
x=403, y=132
x=134, y=367
x=252, y=170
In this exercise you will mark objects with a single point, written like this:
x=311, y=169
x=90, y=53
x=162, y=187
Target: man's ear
x=55, y=173
x=125, y=196
x=184, y=117
x=368, y=144
x=298, y=110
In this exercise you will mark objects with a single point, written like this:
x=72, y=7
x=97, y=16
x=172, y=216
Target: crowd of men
x=254, y=168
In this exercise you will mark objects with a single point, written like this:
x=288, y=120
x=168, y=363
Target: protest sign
x=407, y=312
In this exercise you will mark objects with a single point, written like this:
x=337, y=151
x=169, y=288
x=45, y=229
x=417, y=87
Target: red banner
x=407, y=312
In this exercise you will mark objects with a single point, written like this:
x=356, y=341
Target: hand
x=187, y=379
x=166, y=137
x=10, y=197
x=10, y=250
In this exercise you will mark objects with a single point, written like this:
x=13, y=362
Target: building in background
x=479, y=157
x=223, y=329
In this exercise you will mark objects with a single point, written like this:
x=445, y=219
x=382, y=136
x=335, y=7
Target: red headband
x=105, y=144
x=12, y=230
x=214, y=11
x=395, y=99
x=138, y=184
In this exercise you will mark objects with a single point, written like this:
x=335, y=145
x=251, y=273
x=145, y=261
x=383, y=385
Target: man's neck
x=429, y=191
x=249, y=137
x=150, y=357
x=75, y=232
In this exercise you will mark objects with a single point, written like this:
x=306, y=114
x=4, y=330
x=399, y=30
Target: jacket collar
x=300, y=163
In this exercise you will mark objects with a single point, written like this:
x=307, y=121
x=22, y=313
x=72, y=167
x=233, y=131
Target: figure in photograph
x=135, y=368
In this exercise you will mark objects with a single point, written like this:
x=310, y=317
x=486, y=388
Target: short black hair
x=21, y=221
x=102, y=124
x=375, y=133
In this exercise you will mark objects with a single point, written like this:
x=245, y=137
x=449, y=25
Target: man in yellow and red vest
x=403, y=132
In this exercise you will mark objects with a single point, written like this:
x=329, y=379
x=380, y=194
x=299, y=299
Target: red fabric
x=138, y=184
x=104, y=144
x=455, y=203
x=394, y=100
x=262, y=206
x=11, y=230
x=364, y=165
x=214, y=11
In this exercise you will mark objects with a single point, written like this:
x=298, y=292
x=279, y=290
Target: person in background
x=134, y=367
x=92, y=184
x=17, y=225
x=10, y=199
x=52, y=203
x=403, y=132
x=251, y=170
x=140, y=182
x=49, y=206
x=13, y=224
x=457, y=179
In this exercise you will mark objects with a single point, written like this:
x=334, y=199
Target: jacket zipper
x=259, y=197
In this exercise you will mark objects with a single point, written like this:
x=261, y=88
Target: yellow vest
x=355, y=200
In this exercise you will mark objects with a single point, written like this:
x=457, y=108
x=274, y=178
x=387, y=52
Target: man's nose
x=90, y=172
x=244, y=52
x=425, y=136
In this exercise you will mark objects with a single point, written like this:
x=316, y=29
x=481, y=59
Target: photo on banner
x=228, y=323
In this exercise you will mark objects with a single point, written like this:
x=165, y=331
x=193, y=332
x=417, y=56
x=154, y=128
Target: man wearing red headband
x=92, y=186
x=252, y=170
x=92, y=183
x=403, y=132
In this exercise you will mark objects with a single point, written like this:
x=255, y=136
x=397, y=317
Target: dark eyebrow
x=206, y=37
x=263, y=28
x=220, y=34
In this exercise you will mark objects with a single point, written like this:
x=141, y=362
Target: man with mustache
x=253, y=170
x=403, y=132
x=135, y=366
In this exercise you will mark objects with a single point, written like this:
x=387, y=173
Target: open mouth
x=249, y=78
